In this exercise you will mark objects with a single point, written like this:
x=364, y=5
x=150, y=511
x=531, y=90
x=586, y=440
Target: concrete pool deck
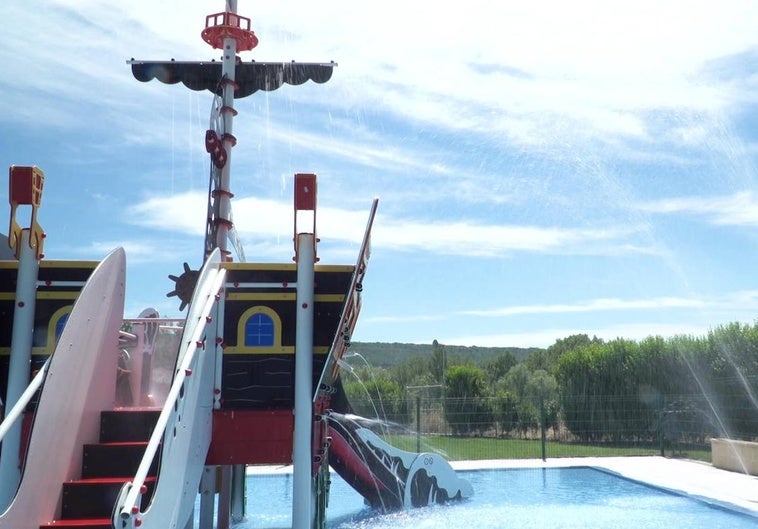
x=693, y=478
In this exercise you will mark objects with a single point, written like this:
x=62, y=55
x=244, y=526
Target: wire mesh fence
x=565, y=426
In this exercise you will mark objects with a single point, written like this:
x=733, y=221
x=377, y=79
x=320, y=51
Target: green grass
x=465, y=448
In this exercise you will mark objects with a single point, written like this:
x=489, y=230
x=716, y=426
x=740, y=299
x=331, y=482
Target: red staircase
x=87, y=503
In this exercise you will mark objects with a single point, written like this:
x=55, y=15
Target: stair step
x=95, y=497
x=127, y=424
x=114, y=460
x=84, y=523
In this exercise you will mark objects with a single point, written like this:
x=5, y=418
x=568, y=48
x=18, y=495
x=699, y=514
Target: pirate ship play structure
x=113, y=422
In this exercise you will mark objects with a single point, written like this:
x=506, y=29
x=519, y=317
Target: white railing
x=18, y=409
x=352, y=307
x=128, y=503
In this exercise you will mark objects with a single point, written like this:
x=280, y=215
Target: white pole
x=223, y=195
x=20, y=360
x=224, y=497
x=302, y=485
x=237, y=508
x=223, y=208
x=207, y=497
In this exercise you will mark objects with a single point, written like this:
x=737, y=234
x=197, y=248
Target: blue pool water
x=558, y=498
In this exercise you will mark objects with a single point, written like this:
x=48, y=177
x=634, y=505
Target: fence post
x=418, y=423
x=543, y=427
x=661, y=415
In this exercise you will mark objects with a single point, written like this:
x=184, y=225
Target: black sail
x=250, y=77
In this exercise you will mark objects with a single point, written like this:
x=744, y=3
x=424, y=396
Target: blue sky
x=544, y=168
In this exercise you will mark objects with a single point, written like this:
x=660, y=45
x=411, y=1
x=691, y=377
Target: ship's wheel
x=184, y=285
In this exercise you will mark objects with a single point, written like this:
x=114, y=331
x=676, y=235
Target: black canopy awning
x=249, y=76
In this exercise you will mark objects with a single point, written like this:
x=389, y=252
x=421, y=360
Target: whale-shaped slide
x=387, y=477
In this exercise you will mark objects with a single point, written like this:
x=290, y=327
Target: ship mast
x=231, y=33
x=231, y=79
x=228, y=79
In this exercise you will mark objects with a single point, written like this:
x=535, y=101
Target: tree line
x=597, y=391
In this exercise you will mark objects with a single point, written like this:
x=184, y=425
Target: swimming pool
x=561, y=498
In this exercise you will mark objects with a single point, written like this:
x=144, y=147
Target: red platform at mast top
x=220, y=26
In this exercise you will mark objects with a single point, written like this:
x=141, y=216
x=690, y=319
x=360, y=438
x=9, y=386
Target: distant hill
x=381, y=354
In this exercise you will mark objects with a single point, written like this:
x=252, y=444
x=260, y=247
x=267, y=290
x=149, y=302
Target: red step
x=114, y=459
x=127, y=424
x=95, y=497
x=93, y=523
x=87, y=503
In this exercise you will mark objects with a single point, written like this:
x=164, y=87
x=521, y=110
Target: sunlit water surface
x=559, y=498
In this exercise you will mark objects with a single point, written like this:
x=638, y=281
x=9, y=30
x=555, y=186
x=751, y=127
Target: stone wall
x=738, y=456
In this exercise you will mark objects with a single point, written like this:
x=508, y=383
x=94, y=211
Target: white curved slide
x=80, y=384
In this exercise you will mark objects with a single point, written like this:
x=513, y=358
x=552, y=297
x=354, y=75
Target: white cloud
x=590, y=67
x=404, y=319
x=739, y=209
x=543, y=72
x=595, y=305
x=536, y=105
x=138, y=251
x=733, y=306
x=547, y=337
x=476, y=240
x=266, y=219
x=744, y=300
x=172, y=213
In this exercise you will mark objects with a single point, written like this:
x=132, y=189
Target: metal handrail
x=26, y=397
x=183, y=370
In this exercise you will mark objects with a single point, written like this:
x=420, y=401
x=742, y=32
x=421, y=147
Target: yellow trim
x=335, y=268
x=261, y=296
x=8, y=296
x=282, y=296
x=286, y=350
x=54, y=264
x=275, y=319
x=259, y=266
x=242, y=350
x=69, y=264
x=53, y=323
x=285, y=267
x=329, y=298
x=36, y=351
x=58, y=295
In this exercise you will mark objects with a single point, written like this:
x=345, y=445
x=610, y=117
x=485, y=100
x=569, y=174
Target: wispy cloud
x=477, y=240
x=595, y=305
x=139, y=251
x=742, y=300
x=547, y=337
x=588, y=81
x=357, y=146
x=505, y=130
x=265, y=219
x=739, y=209
x=510, y=72
x=171, y=213
x=404, y=319
x=703, y=313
